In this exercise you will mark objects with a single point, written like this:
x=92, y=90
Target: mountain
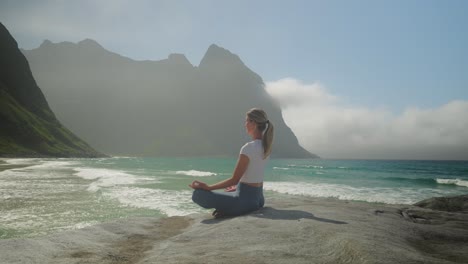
x=28, y=127
x=156, y=108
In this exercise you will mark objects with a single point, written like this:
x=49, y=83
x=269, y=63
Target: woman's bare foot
x=218, y=214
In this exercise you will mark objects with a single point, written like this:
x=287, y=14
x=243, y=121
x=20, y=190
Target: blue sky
x=389, y=57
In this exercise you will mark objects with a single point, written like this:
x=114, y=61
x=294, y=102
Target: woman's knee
x=200, y=197
x=197, y=194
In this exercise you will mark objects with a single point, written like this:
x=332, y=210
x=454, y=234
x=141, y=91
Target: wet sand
x=290, y=229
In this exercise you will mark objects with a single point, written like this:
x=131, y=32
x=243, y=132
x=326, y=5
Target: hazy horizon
x=354, y=81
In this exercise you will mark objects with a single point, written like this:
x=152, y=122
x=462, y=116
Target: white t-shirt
x=256, y=168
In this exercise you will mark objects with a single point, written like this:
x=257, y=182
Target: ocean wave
x=457, y=182
x=39, y=164
x=196, y=173
x=418, y=181
x=344, y=192
x=105, y=177
x=35, y=167
x=55, y=164
x=41, y=177
x=169, y=202
x=306, y=166
x=20, y=161
x=280, y=168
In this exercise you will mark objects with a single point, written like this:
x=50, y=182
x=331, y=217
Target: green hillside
x=28, y=128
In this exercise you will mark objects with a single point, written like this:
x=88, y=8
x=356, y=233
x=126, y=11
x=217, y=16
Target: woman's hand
x=199, y=185
x=232, y=188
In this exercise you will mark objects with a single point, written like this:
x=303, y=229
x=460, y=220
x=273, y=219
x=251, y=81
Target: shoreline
x=289, y=229
x=8, y=166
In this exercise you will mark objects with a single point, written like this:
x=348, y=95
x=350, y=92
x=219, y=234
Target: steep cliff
x=28, y=127
x=156, y=108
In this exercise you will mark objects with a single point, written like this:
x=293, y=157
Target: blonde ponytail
x=265, y=126
x=267, y=139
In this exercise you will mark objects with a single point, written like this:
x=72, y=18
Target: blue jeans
x=244, y=200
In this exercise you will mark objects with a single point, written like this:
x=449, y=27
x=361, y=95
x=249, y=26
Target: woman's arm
x=241, y=167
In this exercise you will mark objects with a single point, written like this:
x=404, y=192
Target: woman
x=248, y=174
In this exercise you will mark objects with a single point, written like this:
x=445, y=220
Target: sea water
x=48, y=195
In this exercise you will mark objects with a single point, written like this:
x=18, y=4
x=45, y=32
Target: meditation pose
x=248, y=174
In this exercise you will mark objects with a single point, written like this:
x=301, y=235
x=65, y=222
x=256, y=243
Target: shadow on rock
x=276, y=214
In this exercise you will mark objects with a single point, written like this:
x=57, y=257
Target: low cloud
x=326, y=126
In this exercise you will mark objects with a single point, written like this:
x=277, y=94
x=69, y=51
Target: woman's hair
x=263, y=125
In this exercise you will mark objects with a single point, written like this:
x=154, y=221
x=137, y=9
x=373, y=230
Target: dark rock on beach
x=449, y=204
x=441, y=228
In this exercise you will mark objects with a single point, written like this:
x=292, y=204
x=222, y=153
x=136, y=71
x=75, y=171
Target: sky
x=355, y=79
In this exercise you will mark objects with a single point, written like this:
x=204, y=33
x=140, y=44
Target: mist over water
x=327, y=124
x=48, y=195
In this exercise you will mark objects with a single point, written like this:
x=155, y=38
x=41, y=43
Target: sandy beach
x=290, y=229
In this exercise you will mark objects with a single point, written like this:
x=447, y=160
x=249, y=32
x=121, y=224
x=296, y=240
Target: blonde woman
x=248, y=173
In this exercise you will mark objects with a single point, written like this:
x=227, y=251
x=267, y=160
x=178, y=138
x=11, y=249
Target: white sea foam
x=55, y=164
x=36, y=165
x=105, y=177
x=280, y=168
x=196, y=173
x=114, y=184
x=82, y=225
x=20, y=161
x=344, y=192
x=306, y=166
x=169, y=202
x=30, y=181
x=457, y=182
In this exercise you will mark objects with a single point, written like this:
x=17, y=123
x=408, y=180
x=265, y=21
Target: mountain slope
x=156, y=108
x=27, y=125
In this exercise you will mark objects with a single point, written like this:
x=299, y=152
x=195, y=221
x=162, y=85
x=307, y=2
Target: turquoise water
x=49, y=195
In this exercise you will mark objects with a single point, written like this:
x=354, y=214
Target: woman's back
x=256, y=169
